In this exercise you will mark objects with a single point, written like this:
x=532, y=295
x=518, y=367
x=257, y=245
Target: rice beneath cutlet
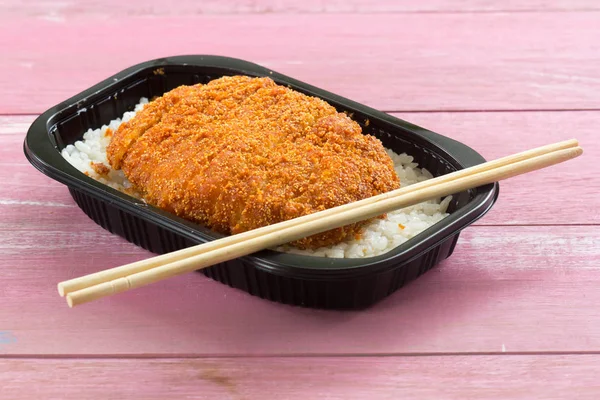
x=377, y=237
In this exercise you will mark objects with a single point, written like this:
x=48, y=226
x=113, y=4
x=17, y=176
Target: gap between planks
x=189, y=7
x=423, y=111
x=176, y=356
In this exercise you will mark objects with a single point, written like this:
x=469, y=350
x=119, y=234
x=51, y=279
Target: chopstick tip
x=61, y=290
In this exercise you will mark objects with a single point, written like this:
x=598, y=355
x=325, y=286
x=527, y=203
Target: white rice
x=377, y=237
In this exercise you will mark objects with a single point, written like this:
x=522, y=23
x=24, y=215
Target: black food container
x=288, y=278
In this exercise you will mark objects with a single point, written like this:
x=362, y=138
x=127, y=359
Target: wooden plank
x=505, y=289
x=500, y=288
x=450, y=377
x=562, y=194
x=394, y=62
x=70, y=9
x=523, y=200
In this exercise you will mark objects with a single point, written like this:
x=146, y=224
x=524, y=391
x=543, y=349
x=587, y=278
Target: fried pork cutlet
x=239, y=153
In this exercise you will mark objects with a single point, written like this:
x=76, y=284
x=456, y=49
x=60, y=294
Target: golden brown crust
x=239, y=153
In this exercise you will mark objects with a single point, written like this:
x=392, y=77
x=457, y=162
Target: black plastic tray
x=288, y=278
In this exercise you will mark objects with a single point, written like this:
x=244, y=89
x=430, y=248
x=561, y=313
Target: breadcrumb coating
x=239, y=153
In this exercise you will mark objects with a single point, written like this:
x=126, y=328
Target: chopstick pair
x=141, y=273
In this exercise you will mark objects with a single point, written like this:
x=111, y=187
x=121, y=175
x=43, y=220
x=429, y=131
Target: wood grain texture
x=523, y=200
x=53, y=10
x=512, y=289
x=565, y=194
x=459, y=377
x=502, y=284
x=393, y=62
x=493, y=294
x=512, y=314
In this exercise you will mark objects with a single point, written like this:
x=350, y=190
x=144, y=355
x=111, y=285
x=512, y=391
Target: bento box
x=296, y=279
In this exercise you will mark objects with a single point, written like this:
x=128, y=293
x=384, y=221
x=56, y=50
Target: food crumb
x=401, y=226
x=100, y=168
x=367, y=122
x=357, y=236
x=109, y=133
x=159, y=71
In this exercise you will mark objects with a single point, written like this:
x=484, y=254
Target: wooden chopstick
x=143, y=265
x=142, y=273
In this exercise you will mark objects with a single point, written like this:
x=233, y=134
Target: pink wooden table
x=514, y=313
